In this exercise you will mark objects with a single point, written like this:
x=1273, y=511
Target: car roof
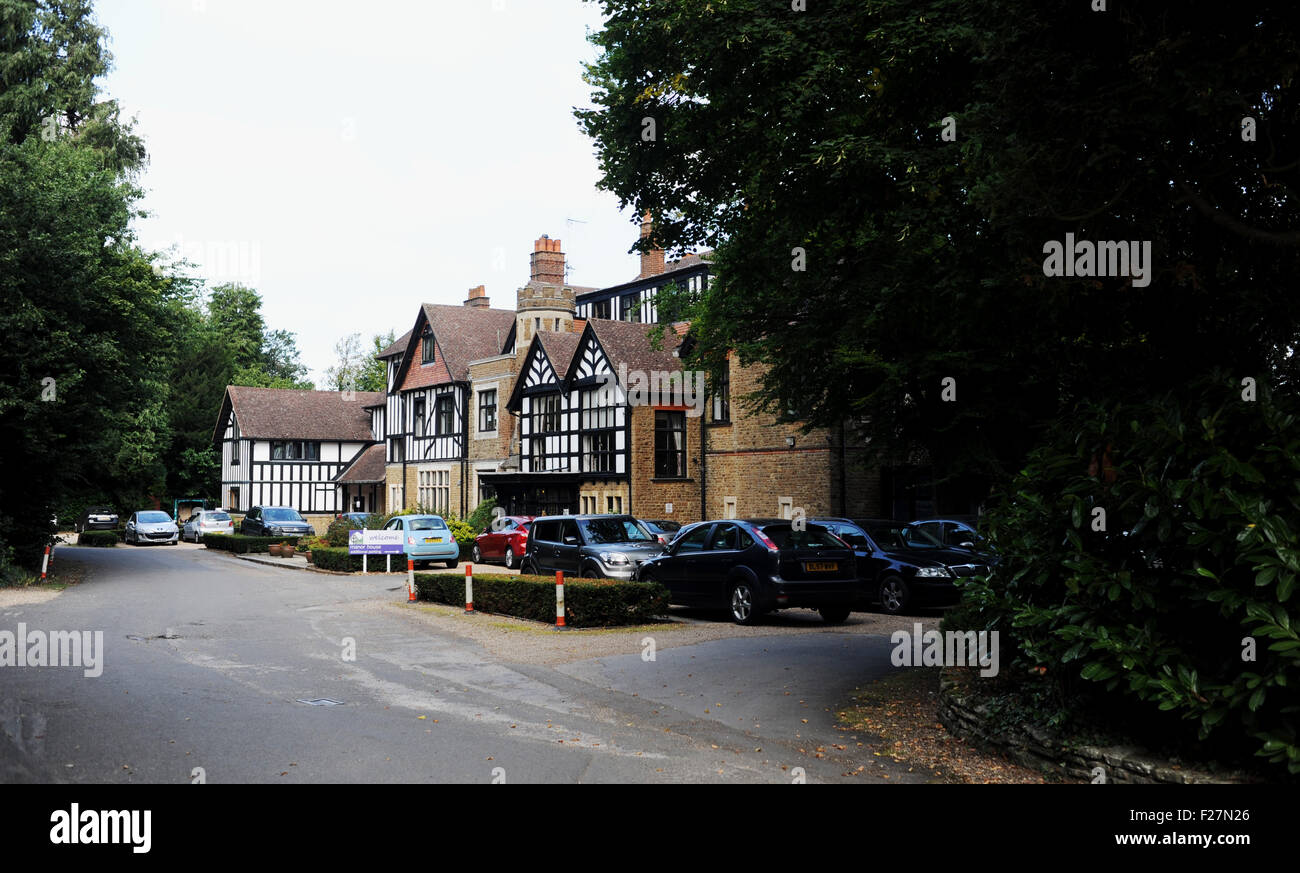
x=420, y=515
x=588, y=517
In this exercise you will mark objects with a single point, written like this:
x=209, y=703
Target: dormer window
x=427, y=348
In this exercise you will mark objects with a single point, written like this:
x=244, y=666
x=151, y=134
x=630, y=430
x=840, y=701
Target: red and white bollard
x=45, y=562
x=559, y=600
x=410, y=580
x=469, y=587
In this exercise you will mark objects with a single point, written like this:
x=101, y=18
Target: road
x=206, y=658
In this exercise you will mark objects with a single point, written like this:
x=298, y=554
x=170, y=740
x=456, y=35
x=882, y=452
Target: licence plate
x=821, y=566
x=433, y=539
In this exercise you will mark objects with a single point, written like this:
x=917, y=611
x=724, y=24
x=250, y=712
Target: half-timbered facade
x=288, y=448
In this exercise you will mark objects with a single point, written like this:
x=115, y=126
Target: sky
x=351, y=161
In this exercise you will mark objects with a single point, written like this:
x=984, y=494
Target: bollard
x=469, y=587
x=410, y=580
x=559, y=600
x=45, y=563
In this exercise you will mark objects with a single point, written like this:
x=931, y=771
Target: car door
x=494, y=544
x=682, y=572
x=711, y=571
x=130, y=533
x=568, y=550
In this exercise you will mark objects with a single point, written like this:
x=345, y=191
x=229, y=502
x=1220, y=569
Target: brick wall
x=650, y=494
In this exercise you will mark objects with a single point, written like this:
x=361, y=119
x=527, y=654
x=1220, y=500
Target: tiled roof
x=467, y=333
x=369, y=467
x=628, y=342
x=559, y=349
x=396, y=348
x=284, y=413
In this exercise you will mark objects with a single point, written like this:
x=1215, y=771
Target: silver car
x=151, y=526
x=207, y=521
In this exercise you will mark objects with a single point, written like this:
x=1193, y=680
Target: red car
x=505, y=540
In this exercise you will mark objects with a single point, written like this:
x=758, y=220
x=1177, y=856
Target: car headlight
x=613, y=557
x=932, y=572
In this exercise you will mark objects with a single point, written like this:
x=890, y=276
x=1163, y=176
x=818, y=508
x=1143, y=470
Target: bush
x=587, y=602
x=337, y=533
x=99, y=538
x=242, y=545
x=481, y=517
x=1142, y=548
x=339, y=559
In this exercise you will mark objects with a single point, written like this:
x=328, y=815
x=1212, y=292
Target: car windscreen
x=154, y=517
x=217, y=516
x=811, y=537
x=428, y=524
x=615, y=530
x=99, y=510
x=281, y=515
x=897, y=536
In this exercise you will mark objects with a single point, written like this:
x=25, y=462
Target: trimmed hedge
x=242, y=545
x=98, y=538
x=339, y=559
x=587, y=602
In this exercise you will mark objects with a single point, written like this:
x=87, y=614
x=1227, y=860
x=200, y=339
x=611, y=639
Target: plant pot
x=286, y=551
x=274, y=550
x=307, y=555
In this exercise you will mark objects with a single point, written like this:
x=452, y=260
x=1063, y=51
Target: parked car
x=956, y=533
x=97, y=518
x=358, y=517
x=663, y=529
x=506, y=540
x=591, y=546
x=151, y=526
x=207, y=521
x=427, y=538
x=901, y=567
x=275, y=521
x=755, y=566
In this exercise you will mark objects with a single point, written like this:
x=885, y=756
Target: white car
x=151, y=526
x=207, y=521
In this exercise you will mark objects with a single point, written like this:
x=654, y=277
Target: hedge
x=242, y=545
x=98, y=538
x=587, y=602
x=339, y=559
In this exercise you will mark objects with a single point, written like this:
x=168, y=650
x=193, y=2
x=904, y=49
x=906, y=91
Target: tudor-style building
x=303, y=449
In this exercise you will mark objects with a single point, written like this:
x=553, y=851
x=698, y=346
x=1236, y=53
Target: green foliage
x=243, y=545
x=359, y=370
x=98, y=538
x=338, y=559
x=462, y=531
x=337, y=532
x=587, y=602
x=1200, y=551
x=481, y=517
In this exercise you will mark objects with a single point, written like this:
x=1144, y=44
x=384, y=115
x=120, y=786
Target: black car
x=957, y=532
x=593, y=546
x=904, y=567
x=97, y=518
x=754, y=566
x=275, y=521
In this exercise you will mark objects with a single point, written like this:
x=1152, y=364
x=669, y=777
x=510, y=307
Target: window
x=670, y=444
x=629, y=308
x=728, y=507
x=234, y=446
x=614, y=505
x=394, y=498
x=694, y=541
x=600, y=309
x=295, y=450
x=445, y=415
x=598, y=431
x=785, y=507
x=417, y=416
x=434, y=490
x=486, y=490
x=588, y=505
x=428, y=349
x=726, y=537
x=545, y=420
x=487, y=411
x=722, y=395
x=569, y=532
x=397, y=451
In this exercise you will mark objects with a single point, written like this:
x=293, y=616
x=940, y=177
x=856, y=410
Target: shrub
x=99, y=538
x=338, y=559
x=1142, y=548
x=481, y=517
x=242, y=545
x=337, y=533
x=587, y=602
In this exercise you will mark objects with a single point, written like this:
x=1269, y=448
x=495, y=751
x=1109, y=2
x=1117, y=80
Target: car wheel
x=743, y=608
x=510, y=558
x=834, y=614
x=451, y=565
x=895, y=595
x=526, y=568
x=478, y=554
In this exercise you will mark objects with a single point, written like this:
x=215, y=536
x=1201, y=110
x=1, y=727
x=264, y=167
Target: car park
x=275, y=521
x=97, y=518
x=591, y=546
x=755, y=566
x=426, y=539
x=904, y=568
x=206, y=521
x=151, y=526
x=506, y=540
x=663, y=529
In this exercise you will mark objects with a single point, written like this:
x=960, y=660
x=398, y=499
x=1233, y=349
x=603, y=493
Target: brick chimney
x=478, y=298
x=547, y=264
x=652, y=262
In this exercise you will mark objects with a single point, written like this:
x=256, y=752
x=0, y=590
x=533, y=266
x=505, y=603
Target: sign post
x=374, y=542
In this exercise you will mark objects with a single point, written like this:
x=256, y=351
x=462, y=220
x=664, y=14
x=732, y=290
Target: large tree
x=878, y=181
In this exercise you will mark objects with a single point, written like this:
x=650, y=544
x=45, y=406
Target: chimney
x=547, y=262
x=652, y=262
x=477, y=298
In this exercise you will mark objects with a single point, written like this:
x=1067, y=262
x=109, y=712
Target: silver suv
x=591, y=546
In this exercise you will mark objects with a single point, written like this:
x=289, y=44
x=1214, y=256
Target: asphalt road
x=206, y=657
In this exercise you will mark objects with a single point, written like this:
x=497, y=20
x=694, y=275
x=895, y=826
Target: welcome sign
x=374, y=542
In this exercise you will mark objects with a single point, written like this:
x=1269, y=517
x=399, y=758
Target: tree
x=355, y=370
x=262, y=358
x=878, y=181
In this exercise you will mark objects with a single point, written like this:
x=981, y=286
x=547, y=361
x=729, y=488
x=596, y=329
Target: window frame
x=667, y=422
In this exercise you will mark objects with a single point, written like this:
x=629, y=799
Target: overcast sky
x=353, y=160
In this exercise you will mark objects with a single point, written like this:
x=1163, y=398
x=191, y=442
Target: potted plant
x=286, y=549
x=274, y=550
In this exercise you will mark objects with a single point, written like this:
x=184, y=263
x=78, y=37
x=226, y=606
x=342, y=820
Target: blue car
x=426, y=539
